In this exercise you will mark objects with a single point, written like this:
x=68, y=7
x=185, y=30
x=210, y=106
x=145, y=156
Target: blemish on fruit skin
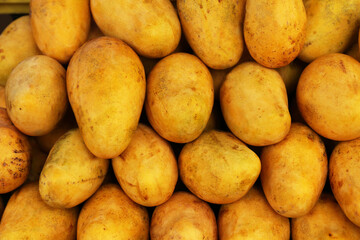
x=307, y=44
x=342, y=66
x=18, y=151
x=311, y=136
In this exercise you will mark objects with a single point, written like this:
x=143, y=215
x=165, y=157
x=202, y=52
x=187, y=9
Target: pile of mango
x=187, y=119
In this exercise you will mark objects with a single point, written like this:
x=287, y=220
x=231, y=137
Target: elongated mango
x=106, y=88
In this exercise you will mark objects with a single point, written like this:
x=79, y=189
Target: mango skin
x=274, y=31
x=294, y=171
x=218, y=168
x=36, y=95
x=111, y=214
x=71, y=173
x=151, y=28
x=183, y=217
x=26, y=216
x=16, y=44
x=325, y=221
x=106, y=89
x=328, y=96
x=60, y=27
x=15, y=159
x=2, y=97
x=147, y=170
x=344, y=169
x=331, y=27
x=254, y=104
x=258, y=220
x=179, y=98
x=214, y=30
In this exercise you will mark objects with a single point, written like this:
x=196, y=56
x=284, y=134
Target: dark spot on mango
x=311, y=136
x=307, y=44
x=342, y=66
x=16, y=175
x=18, y=151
